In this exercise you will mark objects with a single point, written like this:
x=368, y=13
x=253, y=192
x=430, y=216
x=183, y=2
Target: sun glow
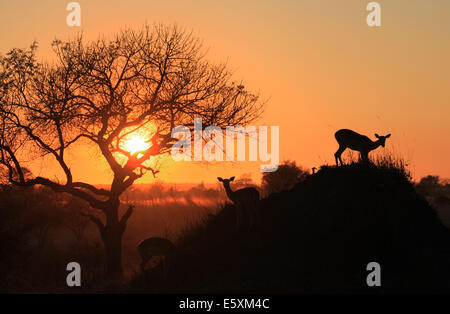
x=136, y=144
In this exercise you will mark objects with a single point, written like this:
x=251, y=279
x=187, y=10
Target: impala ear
x=377, y=136
x=220, y=179
x=232, y=178
x=388, y=136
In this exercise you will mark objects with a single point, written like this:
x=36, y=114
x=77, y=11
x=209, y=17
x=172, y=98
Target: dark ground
x=317, y=237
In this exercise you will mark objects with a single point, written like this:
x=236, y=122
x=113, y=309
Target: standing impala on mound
x=245, y=200
x=350, y=139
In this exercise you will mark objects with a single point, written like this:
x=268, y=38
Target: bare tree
x=102, y=92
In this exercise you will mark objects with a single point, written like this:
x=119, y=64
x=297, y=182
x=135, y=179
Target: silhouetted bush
x=285, y=178
x=437, y=193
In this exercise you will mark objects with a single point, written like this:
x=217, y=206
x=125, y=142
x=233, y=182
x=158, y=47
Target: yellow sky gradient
x=318, y=62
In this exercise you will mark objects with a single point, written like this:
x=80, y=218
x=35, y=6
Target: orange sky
x=317, y=61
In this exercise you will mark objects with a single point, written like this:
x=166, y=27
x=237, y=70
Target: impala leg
x=338, y=154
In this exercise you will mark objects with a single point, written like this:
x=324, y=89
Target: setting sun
x=136, y=144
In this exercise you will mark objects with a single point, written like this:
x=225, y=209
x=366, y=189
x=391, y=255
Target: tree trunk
x=112, y=240
x=111, y=233
x=113, y=247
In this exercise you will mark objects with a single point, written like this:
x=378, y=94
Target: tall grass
x=394, y=161
x=386, y=159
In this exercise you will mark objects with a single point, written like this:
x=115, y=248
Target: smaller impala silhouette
x=350, y=139
x=245, y=200
x=155, y=246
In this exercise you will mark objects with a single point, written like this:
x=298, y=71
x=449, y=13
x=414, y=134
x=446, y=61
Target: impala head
x=382, y=139
x=225, y=181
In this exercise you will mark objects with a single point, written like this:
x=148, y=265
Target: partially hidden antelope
x=246, y=202
x=355, y=141
x=155, y=246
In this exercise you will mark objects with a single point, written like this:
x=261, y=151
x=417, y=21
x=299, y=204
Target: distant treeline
x=437, y=192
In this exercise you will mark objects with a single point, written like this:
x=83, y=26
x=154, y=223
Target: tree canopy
x=102, y=93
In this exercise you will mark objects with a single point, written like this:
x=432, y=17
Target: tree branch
x=97, y=221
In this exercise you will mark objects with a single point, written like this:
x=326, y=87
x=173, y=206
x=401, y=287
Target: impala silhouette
x=246, y=202
x=355, y=141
